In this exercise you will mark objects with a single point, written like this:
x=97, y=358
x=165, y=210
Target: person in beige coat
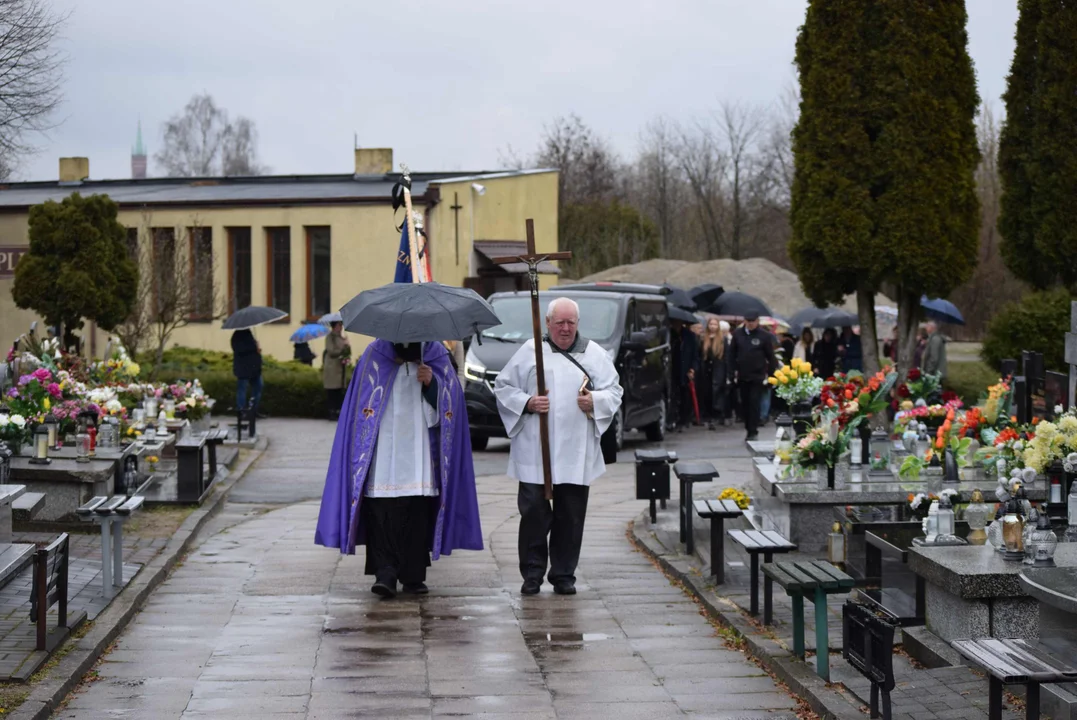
x=334, y=361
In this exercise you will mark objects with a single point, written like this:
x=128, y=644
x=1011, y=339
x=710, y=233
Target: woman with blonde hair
x=715, y=342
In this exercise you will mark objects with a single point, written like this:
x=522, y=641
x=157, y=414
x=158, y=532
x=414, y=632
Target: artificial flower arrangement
x=34, y=394
x=946, y=438
x=996, y=403
x=921, y=386
x=737, y=496
x=856, y=397
x=14, y=431
x=795, y=382
x=1050, y=442
x=118, y=368
x=920, y=503
x=824, y=444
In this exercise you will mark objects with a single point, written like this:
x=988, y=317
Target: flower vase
x=824, y=477
x=801, y=413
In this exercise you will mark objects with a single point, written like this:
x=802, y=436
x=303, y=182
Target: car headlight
x=474, y=372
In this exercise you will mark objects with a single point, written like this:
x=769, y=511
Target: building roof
x=237, y=191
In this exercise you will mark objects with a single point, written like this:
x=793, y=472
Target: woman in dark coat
x=825, y=354
x=714, y=374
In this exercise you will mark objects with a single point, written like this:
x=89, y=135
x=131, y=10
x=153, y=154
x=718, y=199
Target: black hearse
x=633, y=327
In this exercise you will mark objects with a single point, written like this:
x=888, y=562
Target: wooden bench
x=689, y=473
x=27, y=506
x=766, y=542
x=111, y=514
x=718, y=511
x=814, y=580
x=1015, y=662
x=214, y=438
x=50, y=587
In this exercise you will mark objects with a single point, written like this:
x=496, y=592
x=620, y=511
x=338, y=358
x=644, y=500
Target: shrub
x=1039, y=322
x=290, y=389
x=969, y=380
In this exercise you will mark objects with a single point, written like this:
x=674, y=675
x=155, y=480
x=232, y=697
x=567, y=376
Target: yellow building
x=305, y=244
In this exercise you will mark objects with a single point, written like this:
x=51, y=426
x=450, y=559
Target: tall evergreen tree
x=885, y=151
x=1054, y=155
x=1016, y=154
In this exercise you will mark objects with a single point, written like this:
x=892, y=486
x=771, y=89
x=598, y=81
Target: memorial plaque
x=1020, y=400
x=1056, y=392
x=1008, y=368
x=1032, y=364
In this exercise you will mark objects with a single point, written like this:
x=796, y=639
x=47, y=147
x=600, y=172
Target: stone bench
x=27, y=506
x=214, y=439
x=111, y=514
x=717, y=511
x=766, y=542
x=1015, y=662
x=689, y=473
x=813, y=580
x=50, y=588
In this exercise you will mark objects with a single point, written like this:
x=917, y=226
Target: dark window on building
x=201, y=253
x=132, y=244
x=239, y=268
x=279, y=268
x=164, y=272
x=318, y=271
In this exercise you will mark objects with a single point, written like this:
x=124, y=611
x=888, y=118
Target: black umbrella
x=676, y=296
x=418, y=312
x=706, y=294
x=676, y=313
x=738, y=304
x=252, y=316
x=835, y=317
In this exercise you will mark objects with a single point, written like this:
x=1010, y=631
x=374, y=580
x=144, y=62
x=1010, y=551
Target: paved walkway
x=260, y=622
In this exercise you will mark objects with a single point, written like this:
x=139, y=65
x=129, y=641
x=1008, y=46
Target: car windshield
x=598, y=317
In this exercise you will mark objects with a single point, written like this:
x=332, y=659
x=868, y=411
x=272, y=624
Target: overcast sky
x=449, y=86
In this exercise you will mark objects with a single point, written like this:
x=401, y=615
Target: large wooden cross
x=532, y=260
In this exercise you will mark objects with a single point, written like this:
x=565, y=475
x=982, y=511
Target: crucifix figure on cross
x=532, y=259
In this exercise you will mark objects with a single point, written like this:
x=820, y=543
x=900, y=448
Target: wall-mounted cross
x=456, y=207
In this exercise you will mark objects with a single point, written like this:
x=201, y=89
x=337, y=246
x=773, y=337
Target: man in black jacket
x=685, y=368
x=247, y=367
x=751, y=361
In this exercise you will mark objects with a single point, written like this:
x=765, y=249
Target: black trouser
x=750, y=400
x=334, y=398
x=562, y=524
x=398, y=538
x=687, y=407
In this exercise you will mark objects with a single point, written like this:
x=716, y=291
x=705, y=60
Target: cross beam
x=532, y=260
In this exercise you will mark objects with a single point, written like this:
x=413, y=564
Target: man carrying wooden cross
x=583, y=394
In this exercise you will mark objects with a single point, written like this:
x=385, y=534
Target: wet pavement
x=260, y=622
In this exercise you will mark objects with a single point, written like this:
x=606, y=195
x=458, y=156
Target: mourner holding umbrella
x=334, y=362
x=247, y=354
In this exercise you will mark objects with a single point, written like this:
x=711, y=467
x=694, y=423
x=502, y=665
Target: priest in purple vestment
x=400, y=478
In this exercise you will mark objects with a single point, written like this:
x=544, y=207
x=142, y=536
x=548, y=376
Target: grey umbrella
x=330, y=318
x=252, y=316
x=677, y=313
x=418, y=312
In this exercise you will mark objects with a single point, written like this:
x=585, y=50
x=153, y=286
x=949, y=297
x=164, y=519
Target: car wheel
x=656, y=431
x=479, y=441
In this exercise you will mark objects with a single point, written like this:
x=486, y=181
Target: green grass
x=969, y=379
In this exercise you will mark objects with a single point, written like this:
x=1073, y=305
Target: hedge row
x=290, y=389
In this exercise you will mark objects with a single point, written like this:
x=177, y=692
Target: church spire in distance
x=138, y=156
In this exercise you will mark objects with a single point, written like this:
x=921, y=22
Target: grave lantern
x=1012, y=530
x=783, y=438
x=41, y=445
x=880, y=452
x=82, y=447
x=52, y=427
x=5, y=463
x=85, y=420
x=1042, y=543
x=169, y=409
x=150, y=404
x=946, y=524
x=976, y=516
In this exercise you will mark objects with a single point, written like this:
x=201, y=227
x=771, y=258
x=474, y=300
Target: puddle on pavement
x=563, y=638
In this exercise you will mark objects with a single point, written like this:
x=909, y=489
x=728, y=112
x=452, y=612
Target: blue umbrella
x=308, y=332
x=942, y=310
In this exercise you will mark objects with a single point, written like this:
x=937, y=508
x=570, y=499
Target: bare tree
x=704, y=167
x=202, y=141
x=31, y=73
x=659, y=183
x=739, y=129
x=586, y=164
x=176, y=285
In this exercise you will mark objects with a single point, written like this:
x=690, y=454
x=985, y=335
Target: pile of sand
x=777, y=287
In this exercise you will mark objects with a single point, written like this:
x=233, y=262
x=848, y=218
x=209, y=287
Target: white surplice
x=575, y=450
x=402, y=458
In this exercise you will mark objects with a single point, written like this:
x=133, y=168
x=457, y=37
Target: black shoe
x=416, y=588
x=564, y=589
x=385, y=590
x=530, y=587
x=753, y=436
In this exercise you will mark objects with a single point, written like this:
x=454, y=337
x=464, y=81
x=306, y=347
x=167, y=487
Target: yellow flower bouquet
x=737, y=496
x=796, y=382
